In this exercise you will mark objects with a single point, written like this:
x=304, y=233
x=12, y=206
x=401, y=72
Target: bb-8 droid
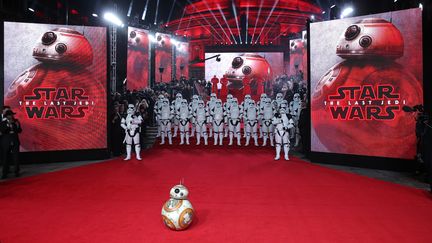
x=177, y=212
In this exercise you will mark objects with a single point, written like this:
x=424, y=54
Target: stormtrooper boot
x=175, y=131
x=198, y=138
x=238, y=139
x=256, y=140
x=247, y=140
x=286, y=151
x=187, y=138
x=260, y=133
x=278, y=150
x=162, y=139
x=128, y=152
x=169, y=138
x=182, y=138
x=271, y=140
x=138, y=151
x=193, y=131
x=215, y=139
x=220, y=138
x=205, y=139
x=210, y=132
x=231, y=139
x=264, y=141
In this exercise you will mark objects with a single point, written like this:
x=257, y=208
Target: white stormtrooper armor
x=226, y=108
x=267, y=113
x=278, y=101
x=156, y=108
x=234, y=115
x=201, y=122
x=260, y=105
x=175, y=106
x=218, y=117
x=184, y=115
x=165, y=116
x=245, y=103
x=193, y=106
x=250, y=117
x=210, y=105
x=282, y=124
x=131, y=124
x=295, y=107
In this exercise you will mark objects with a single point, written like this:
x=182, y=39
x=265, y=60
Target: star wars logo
x=364, y=102
x=56, y=103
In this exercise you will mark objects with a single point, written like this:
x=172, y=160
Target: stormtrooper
x=175, y=106
x=267, y=113
x=165, y=115
x=131, y=124
x=201, y=116
x=156, y=109
x=218, y=117
x=245, y=103
x=278, y=101
x=210, y=105
x=260, y=105
x=251, y=121
x=282, y=124
x=226, y=108
x=234, y=115
x=184, y=115
x=295, y=107
x=193, y=106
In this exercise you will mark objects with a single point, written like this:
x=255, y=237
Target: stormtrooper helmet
x=279, y=96
x=251, y=102
x=213, y=96
x=184, y=102
x=247, y=97
x=130, y=109
x=195, y=98
x=218, y=103
x=229, y=97
x=179, y=192
x=165, y=101
x=263, y=97
x=268, y=101
x=179, y=96
x=296, y=97
x=200, y=104
x=234, y=101
x=161, y=97
x=283, y=111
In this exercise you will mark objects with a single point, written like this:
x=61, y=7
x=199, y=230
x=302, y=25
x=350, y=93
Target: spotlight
x=95, y=15
x=112, y=18
x=323, y=12
x=395, y=1
x=312, y=17
x=347, y=11
x=421, y=6
x=31, y=10
x=332, y=6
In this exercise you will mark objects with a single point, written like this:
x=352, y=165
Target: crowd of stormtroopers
x=275, y=120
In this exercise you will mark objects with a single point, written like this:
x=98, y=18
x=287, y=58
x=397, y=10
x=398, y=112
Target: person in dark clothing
x=116, y=131
x=9, y=129
x=304, y=128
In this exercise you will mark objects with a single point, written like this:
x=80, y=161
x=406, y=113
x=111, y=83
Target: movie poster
x=163, y=58
x=55, y=80
x=260, y=67
x=364, y=72
x=138, y=60
x=182, y=60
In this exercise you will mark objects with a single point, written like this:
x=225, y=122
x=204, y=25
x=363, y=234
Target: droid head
x=297, y=46
x=130, y=109
x=64, y=46
x=201, y=104
x=253, y=66
x=296, y=97
x=179, y=96
x=179, y=192
x=371, y=38
x=137, y=39
x=213, y=97
x=279, y=96
x=218, y=103
x=263, y=97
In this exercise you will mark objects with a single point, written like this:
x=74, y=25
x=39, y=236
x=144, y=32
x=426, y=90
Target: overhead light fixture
x=323, y=12
x=346, y=12
x=31, y=10
x=421, y=6
x=332, y=6
x=112, y=18
x=395, y=1
x=95, y=15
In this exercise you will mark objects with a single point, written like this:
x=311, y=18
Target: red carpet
x=240, y=195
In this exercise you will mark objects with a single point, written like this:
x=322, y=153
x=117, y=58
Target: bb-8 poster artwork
x=362, y=75
x=55, y=80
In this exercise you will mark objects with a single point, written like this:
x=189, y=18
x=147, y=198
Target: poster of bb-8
x=55, y=81
x=364, y=70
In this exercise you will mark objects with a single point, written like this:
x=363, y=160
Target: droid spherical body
x=252, y=66
x=177, y=212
